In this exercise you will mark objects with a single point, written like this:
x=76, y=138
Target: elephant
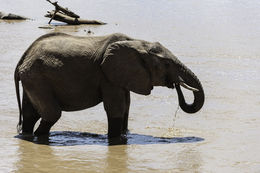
x=60, y=72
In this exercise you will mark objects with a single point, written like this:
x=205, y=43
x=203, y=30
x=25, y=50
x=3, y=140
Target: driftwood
x=65, y=15
x=10, y=16
x=70, y=20
x=64, y=10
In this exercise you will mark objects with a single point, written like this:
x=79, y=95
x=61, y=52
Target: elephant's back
x=52, y=52
x=56, y=50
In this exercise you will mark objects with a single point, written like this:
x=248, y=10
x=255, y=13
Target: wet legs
x=30, y=115
x=116, y=103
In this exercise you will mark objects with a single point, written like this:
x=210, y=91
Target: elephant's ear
x=123, y=66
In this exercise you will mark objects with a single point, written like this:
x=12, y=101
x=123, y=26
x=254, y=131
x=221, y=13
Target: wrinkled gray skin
x=60, y=72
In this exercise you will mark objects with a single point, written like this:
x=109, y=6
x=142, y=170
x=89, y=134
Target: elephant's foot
x=125, y=131
x=115, y=127
x=26, y=134
x=120, y=140
x=28, y=125
x=44, y=128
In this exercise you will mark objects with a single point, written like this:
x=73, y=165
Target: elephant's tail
x=16, y=80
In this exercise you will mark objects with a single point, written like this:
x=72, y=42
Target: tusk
x=188, y=87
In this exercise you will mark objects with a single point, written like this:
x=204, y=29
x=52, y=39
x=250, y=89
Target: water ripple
x=66, y=138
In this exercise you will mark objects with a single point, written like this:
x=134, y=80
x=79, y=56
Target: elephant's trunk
x=193, y=82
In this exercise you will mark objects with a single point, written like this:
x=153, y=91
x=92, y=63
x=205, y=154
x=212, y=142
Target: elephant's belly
x=78, y=101
x=77, y=95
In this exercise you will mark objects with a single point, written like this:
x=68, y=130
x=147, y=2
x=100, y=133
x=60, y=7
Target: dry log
x=65, y=15
x=70, y=20
x=10, y=16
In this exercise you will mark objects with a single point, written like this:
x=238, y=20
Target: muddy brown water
x=218, y=39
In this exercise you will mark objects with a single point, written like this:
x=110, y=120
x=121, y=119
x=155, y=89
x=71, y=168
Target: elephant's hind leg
x=50, y=113
x=30, y=115
x=41, y=95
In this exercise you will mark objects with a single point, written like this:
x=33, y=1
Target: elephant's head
x=139, y=65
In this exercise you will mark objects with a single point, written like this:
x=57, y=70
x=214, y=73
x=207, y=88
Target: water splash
x=175, y=116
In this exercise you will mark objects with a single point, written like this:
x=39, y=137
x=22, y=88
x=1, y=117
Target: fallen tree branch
x=64, y=10
x=65, y=15
x=70, y=20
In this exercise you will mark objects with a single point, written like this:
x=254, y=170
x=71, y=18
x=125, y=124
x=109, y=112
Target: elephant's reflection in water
x=93, y=151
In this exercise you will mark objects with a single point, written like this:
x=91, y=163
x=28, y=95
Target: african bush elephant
x=60, y=72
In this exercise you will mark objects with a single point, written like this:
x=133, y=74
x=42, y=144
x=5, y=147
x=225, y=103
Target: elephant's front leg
x=115, y=99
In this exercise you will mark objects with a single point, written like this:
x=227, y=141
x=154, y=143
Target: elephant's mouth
x=182, y=83
x=169, y=83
